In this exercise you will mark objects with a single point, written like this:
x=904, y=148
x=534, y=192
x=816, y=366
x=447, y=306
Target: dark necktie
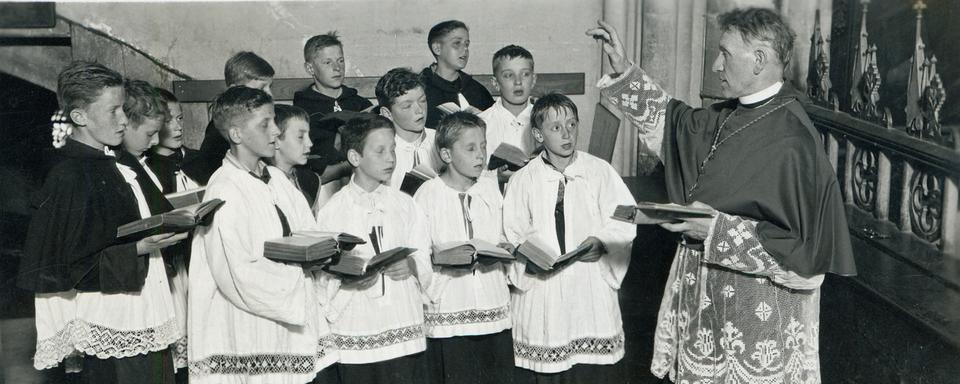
x=558, y=217
x=265, y=178
x=465, y=201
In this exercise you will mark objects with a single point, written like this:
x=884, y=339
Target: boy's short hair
x=167, y=96
x=319, y=42
x=284, y=113
x=235, y=103
x=441, y=30
x=395, y=83
x=511, y=52
x=246, y=66
x=551, y=101
x=451, y=127
x=354, y=134
x=143, y=102
x=81, y=82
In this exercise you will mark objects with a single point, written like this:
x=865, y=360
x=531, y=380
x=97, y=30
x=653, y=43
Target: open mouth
x=518, y=92
x=567, y=146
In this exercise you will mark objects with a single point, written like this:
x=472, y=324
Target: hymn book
x=451, y=107
x=416, y=177
x=511, y=156
x=543, y=260
x=353, y=267
x=656, y=213
x=186, y=198
x=462, y=253
x=309, y=246
x=175, y=221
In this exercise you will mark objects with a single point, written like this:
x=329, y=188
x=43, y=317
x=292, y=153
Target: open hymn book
x=656, y=213
x=175, y=221
x=462, y=253
x=542, y=259
x=186, y=198
x=309, y=246
x=511, y=156
x=352, y=267
x=451, y=107
x=416, y=177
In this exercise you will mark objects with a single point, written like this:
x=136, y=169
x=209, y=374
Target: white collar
x=762, y=95
x=411, y=144
x=525, y=114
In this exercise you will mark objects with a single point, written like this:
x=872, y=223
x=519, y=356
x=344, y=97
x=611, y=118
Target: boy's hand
x=694, y=227
x=612, y=46
x=398, y=271
x=597, y=250
x=507, y=247
x=157, y=242
x=362, y=283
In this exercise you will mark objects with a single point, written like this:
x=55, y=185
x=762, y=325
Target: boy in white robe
x=402, y=100
x=567, y=321
x=253, y=320
x=468, y=316
x=378, y=321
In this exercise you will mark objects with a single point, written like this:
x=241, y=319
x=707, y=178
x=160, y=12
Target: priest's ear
x=761, y=57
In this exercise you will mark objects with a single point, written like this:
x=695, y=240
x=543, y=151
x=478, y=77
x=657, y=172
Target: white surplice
x=421, y=150
x=571, y=316
x=384, y=321
x=464, y=302
x=253, y=320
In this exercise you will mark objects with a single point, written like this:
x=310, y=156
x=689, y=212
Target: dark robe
x=308, y=183
x=210, y=156
x=71, y=241
x=166, y=167
x=158, y=204
x=773, y=171
x=440, y=91
x=323, y=132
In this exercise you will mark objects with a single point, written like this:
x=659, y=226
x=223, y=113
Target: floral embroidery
x=704, y=341
x=766, y=353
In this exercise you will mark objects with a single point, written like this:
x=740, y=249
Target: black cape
x=166, y=167
x=71, y=240
x=323, y=132
x=441, y=91
x=774, y=171
x=210, y=156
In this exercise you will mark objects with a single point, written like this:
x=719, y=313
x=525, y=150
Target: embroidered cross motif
x=763, y=311
x=629, y=101
x=728, y=291
x=705, y=301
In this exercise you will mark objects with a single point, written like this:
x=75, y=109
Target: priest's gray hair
x=761, y=25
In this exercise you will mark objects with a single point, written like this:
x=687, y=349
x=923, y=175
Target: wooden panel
x=27, y=15
x=603, y=136
x=194, y=91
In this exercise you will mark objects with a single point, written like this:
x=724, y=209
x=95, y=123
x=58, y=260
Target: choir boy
x=378, y=320
x=468, y=316
x=253, y=320
x=246, y=69
x=566, y=323
x=445, y=81
x=401, y=98
x=105, y=299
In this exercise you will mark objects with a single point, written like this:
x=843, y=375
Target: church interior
x=882, y=78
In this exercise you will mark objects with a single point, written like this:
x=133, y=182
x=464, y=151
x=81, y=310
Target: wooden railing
x=905, y=175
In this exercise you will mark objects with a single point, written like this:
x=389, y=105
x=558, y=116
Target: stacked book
x=464, y=253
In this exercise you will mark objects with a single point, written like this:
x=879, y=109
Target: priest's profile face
x=259, y=132
x=737, y=65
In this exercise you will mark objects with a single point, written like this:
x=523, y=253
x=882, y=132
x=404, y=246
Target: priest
x=742, y=302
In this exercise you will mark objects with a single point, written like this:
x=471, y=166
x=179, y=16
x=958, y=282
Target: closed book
x=511, y=156
x=542, y=260
x=463, y=253
x=350, y=266
x=657, y=213
x=177, y=220
x=300, y=249
x=416, y=177
x=186, y=198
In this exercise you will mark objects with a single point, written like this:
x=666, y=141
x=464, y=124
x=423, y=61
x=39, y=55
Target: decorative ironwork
x=865, y=171
x=925, y=92
x=818, y=72
x=926, y=206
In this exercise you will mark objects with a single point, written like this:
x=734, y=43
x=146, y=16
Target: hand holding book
x=398, y=271
x=157, y=242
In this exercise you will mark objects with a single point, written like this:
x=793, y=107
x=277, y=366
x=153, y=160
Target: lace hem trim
x=583, y=346
x=266, y=363
x=380, y=340
x=102, y=342
x=470, y=316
